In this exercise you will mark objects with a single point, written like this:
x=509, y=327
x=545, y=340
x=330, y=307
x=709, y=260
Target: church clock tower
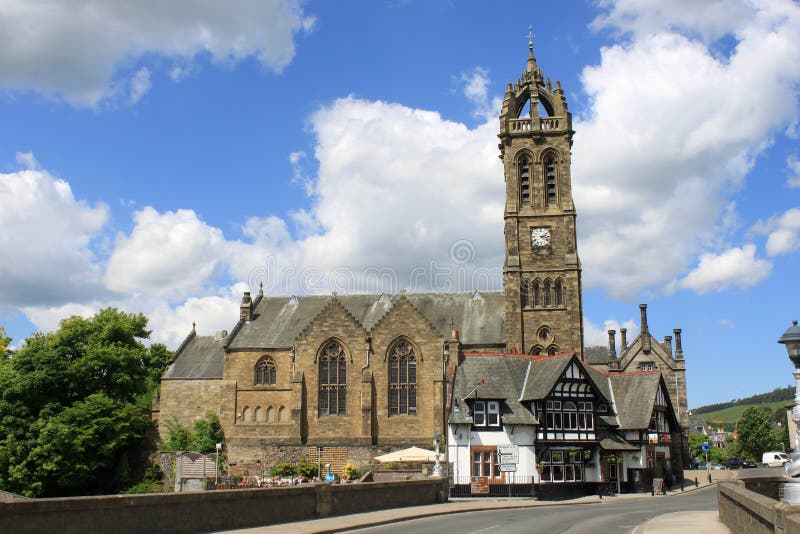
x=542, y=272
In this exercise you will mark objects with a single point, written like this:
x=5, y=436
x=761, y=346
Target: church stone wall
x=334, y=322
x=187, y=401
x=404, y=321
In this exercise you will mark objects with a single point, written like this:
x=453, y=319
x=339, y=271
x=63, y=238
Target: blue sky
x=164, y=159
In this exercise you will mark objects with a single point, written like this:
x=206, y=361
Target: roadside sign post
x=705, y=449
x=509, y=457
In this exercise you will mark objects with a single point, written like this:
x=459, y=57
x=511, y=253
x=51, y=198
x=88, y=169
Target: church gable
x=636, y=355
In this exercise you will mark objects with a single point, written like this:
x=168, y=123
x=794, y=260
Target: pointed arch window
x=332, y=380
x=537, y=294
x=525, y=290
x=559, y=293
x=550, y=180
x=403, y=380
x=525, y=180
x=265, y=373
x=547, y=300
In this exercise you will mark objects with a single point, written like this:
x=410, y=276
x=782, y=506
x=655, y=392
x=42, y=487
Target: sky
x=165, y=157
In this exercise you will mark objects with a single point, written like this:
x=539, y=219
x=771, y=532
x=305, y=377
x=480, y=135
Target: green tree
x=5, y=341
x=203, y=438
x=755, y=433
x=71, y=420
x=283, y=469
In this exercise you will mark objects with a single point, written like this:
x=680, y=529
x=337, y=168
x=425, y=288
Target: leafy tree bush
x=204, y=438
x=350, y=471
x=755, y=433
x=283, y=469
x=307, y=469
x=74, y=406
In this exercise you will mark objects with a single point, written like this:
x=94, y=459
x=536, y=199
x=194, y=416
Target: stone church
x=349, y=377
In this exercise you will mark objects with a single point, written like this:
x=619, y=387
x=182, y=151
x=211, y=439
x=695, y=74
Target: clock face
x=540, y=237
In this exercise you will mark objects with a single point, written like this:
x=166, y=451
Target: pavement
x=704, y=522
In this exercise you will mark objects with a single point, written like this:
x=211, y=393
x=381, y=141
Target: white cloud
x=140, y=84
x=598, y=336
x=169, y=323
x=476, y=89
x=391, y=178
x=46, y=238
x=785, y=237
x=172, y=255
x=77, y=51
x=212, y=313
x=663, y=144
x=737, y=266
x=710, y=18
x=727, y=323
x=793, y=163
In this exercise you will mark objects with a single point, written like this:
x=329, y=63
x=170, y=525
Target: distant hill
x=725, y=414
x=776, y=395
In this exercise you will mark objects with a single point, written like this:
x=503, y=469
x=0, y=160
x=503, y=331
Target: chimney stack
x=668, y=343
x=612, y=346
x=645, y=332
x=246, y=308
x=678, y=347
x=623, y=333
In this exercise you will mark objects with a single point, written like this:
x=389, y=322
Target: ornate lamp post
x=791, y=340
x=437, y=467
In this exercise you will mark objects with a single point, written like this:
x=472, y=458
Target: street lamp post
x=791, y=340
x=437, y=467
x=216, y=465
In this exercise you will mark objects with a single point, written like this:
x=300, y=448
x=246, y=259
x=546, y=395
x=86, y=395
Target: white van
x=774, y=459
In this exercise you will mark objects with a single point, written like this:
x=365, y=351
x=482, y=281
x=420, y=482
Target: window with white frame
x=647, y=366
x=569, y=415
x=486, y=413
x=560, y=465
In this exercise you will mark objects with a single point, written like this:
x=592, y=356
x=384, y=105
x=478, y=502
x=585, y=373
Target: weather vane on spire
x=530, y=36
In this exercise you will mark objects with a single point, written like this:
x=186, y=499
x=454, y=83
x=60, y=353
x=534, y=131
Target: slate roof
x=595, y=354
x=634, y=396
x=277, y=321
x=544, y=372
x=611, y=441
x=542, y=376
x=200, y=357
x=503, y=377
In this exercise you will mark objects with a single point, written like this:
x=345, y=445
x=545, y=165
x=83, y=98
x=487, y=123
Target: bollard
x=600, y=491
x=709, y=478
x=652, y=491
x=696, y=483
x=681, y=484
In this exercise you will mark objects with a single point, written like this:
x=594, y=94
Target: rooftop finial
x=194, y=326
x=530, y=37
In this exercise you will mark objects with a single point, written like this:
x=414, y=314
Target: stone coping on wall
x=211, y=510
x=744, y=510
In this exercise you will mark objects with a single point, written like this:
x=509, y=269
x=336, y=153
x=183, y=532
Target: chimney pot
x=612, y=348
x=623, y=334
x=678, y=346
x=645, y=332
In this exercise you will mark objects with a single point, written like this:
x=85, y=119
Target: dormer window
x=486, y=413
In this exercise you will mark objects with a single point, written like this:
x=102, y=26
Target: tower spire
x=531, y=60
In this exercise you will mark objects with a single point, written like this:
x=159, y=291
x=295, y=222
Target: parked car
x=739, y=463
x=774, y=459
x=749, y=464
x=702, y=466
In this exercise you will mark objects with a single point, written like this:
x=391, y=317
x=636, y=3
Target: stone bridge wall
x=211, y=510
